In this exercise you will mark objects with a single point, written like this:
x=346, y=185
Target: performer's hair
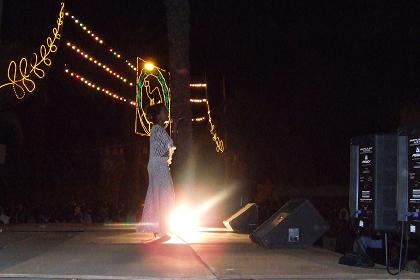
x=154, y=110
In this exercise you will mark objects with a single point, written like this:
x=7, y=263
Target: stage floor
x=116, y=251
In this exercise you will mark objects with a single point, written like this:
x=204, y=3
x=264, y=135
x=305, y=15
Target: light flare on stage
x=186, y=221
x=183, y=220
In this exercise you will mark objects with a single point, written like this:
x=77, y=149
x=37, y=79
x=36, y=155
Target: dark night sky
x=303, y=76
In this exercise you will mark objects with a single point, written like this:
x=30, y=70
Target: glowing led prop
x=98, y=88
x=98, y=39
x=101, y=65
x=21, y=76
x=148, y=96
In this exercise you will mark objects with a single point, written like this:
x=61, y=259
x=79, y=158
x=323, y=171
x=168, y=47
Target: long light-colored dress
x=160, y=197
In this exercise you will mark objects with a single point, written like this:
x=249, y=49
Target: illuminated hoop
x=146, y=97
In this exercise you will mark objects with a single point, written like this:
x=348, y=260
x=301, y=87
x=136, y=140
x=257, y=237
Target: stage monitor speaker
x=408, y=198
x=373, y=182
x=296, y=224
x=245, y=220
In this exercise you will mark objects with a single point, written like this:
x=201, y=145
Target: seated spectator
x=3, y=217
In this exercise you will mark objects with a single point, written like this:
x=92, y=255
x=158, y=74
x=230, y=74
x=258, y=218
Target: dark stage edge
x=116, y=251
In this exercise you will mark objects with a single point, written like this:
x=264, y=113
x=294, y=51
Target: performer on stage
x=160, y=197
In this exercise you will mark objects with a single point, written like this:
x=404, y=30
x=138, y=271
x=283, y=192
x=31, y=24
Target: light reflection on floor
x=199, y=235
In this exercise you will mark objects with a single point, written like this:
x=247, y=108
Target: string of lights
x=99, y=40
x=82, y=79
x=21, y=76
x=194, y=100
x=216, y=139
x=84, y=27
x=101, y=65
x=200, y=119
x=198, y=85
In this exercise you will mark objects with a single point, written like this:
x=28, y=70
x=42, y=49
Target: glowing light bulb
x=149, y=66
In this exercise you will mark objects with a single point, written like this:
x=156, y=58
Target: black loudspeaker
x=373, y=182
x=408, y=198
x=245, y=220
x=296, y=224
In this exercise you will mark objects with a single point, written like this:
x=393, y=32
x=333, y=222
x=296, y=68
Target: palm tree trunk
x=178, y=25
x=1, y=14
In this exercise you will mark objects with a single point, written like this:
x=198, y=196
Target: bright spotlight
x=149, y=66
x=183, y=219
